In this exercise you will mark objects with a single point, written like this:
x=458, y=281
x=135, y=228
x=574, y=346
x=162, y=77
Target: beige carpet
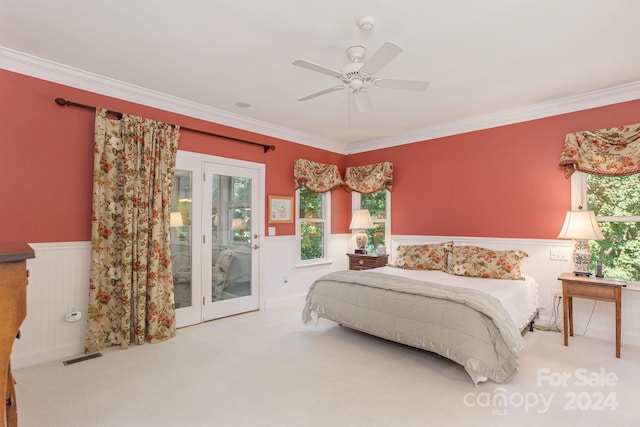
x=268, y=369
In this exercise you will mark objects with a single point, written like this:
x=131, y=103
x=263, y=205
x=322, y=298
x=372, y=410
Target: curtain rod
x=265, y=147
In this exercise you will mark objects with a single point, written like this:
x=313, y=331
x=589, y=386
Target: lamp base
x=582, y=258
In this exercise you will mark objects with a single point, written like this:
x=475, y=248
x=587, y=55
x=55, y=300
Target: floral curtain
x=317, y=177
x=370, y=178
x=608, y=152
x=131, y=285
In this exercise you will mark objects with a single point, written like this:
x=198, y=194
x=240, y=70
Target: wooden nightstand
x=366, y=262
x=601, y=289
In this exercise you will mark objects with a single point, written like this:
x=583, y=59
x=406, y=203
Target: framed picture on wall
x=280, y=209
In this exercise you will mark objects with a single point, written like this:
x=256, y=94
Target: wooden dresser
x=13, y=310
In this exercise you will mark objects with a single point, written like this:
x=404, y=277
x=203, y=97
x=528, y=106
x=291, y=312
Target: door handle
x=255, y=246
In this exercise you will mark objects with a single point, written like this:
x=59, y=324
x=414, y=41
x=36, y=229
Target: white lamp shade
x=581, y=225
x=175, y=220
x=361, y=219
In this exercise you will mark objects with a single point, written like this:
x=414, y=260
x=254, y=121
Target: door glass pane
x=180, y=235
x=231, y=250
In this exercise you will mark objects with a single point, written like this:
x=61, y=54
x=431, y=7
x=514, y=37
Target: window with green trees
x=376, y=203
x=616, y=204
x=312, y=223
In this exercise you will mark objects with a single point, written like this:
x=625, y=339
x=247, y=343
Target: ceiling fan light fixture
x=356, y=83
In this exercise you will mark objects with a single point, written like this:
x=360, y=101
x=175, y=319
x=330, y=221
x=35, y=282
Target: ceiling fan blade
x=317, y=68
x=322, y=92
x=362, y=100
x=402, y=84
x=381, y=57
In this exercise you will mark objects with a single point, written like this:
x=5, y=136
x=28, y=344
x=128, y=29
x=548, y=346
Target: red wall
x=46, y=159
x=500, y=182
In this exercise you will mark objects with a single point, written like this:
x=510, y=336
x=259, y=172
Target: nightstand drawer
x=593, y=292
x=365, y=262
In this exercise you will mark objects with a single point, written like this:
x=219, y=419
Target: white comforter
x=474, y=322
x=521, y=298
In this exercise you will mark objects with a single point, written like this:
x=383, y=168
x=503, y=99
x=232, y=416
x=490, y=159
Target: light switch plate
x=559, y=255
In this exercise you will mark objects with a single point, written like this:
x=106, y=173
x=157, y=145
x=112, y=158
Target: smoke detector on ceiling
x=366, y=23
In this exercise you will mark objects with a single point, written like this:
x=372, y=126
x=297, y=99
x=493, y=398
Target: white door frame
x=196, y=162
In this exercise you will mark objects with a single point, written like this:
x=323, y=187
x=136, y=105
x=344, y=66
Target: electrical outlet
x=557, y=293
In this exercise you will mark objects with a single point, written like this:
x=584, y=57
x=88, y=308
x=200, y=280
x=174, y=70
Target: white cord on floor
x=554, y=319
x=589, y=321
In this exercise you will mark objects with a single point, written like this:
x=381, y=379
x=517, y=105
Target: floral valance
x=317, y=177
x=608, y=152
x=369, y=178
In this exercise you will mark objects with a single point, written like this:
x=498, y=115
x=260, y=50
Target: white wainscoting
x=59, y=277
x=58, y=281
x=284, y=282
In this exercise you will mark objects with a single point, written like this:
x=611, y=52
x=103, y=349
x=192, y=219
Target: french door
x=215, y=237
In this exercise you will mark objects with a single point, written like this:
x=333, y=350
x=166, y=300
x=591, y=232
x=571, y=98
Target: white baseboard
x=47, y=355
x=628, y=337
x=286, y=301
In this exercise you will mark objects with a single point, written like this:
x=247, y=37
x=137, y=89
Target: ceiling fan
x=360, y=76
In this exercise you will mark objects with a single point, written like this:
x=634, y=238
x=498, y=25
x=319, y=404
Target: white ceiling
x=486, y=61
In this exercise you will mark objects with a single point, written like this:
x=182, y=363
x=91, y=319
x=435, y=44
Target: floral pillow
x=424, y=257
x=473, y=261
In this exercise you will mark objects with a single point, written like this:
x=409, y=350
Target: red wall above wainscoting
x=498, y=182
x=46, y=158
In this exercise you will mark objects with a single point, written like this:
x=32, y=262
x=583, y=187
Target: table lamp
x=361, y=220
x=175, y=219
x=581, y=226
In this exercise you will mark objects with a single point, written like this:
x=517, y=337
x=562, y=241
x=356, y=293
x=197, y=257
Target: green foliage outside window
x=311, y=229
x=376, y=203
x=616, y=197
x=312, y=240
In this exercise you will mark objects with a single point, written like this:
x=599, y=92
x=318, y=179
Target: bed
x=474, y=321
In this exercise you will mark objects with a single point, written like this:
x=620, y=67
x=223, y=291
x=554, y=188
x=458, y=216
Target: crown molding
x=599, y=98
x=22, y=63
x=33, y=66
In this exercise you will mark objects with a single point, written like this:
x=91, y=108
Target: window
x=616, y=204
x=379, y=206
x=312, y=225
